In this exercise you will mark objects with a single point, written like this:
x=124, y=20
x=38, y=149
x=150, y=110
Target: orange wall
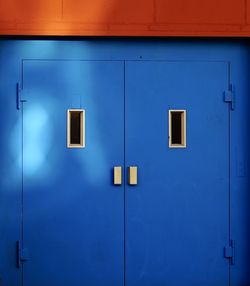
x=125, y=17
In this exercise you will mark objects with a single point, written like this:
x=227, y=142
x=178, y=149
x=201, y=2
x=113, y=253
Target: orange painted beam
x=125, y=17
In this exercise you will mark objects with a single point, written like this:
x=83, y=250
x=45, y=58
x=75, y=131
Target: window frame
x=82, y=128
x=183, y=128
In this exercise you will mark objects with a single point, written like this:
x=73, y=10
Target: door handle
x=117, y=175
x=132, y=179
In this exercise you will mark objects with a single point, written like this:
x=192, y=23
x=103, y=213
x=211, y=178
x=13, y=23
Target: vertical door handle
x=132, y=179
x=117, y=175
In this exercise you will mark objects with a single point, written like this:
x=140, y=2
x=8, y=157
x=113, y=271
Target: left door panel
x=73, y=214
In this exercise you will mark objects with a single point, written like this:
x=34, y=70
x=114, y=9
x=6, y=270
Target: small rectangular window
x=76, y=128
x=177, y=128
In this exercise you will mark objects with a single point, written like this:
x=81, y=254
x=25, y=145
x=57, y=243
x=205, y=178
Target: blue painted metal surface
x=73, y=214
x=178, y=216
x=177, y=225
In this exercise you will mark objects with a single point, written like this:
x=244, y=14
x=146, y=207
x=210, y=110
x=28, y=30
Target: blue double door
x=78, y=228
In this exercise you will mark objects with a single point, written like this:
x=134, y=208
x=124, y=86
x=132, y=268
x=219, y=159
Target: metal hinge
x=229, y=96
x=19, y=96
x=21, y=254
x=229, y=252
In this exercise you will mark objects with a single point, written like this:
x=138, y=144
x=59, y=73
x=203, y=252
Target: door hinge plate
x=229, y=97
x=19, y=98
x=22, y=254
x=229, y=252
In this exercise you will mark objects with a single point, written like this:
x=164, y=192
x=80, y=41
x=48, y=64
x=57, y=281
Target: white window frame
x=183, y=129
x=82, y=128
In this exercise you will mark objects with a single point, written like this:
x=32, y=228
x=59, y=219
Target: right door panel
x=177, y=216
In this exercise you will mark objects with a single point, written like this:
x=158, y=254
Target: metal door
x=177, y=216
x=73, y=215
